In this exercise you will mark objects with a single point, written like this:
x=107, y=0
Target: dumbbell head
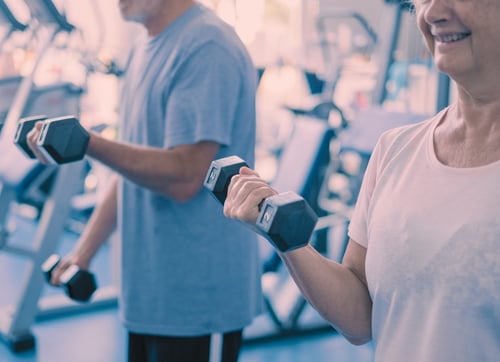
x=24, y=126
x=63, y=140
x=78, y=284
x=49, y=265
x=220, y=173
x=287, y=221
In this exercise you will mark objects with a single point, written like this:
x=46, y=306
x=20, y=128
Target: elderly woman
x=421, y=274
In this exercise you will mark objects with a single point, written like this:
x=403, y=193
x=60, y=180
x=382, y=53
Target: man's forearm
x=176, y=173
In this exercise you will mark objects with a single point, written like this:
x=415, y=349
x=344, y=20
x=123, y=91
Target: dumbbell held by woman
x=286, y=219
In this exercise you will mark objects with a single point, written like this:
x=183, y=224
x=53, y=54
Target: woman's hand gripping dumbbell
x=285, y=219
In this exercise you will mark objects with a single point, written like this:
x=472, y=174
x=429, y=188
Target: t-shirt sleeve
x=203, y=98
x=358, y=226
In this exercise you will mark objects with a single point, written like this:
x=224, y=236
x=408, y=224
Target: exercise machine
x=9, y=83
x=18, y=172
x=8, y=20
x=395, y=11
x=335, y=51
x=300, y=170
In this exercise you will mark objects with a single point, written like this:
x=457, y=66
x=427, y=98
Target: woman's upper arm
x=354, y=260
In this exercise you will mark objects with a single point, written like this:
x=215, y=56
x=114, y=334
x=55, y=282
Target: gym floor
x=96, y=335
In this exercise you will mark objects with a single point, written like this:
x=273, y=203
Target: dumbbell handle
x=298, y=228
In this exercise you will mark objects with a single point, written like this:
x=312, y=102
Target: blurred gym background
x=333, y=76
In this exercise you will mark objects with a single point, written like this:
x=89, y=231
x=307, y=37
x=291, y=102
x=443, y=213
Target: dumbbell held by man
x=61, y=140
x=285, y=219
x=78, y=284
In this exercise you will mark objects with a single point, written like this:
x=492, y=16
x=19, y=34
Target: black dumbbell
x=24, y=126
x=286, y=219
x=63, y=140
x=78, y=284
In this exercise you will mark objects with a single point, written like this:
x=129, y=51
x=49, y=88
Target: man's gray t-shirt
x=188, y=270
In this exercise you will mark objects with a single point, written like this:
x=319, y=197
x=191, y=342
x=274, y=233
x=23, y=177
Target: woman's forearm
x=334, y=291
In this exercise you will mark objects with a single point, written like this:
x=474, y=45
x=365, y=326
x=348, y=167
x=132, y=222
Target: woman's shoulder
x=403, y=134
x=407, y=138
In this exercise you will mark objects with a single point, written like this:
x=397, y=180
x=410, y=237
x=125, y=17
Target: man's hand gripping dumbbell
x=53, y=141
x=285, y=219
x=78, y=283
